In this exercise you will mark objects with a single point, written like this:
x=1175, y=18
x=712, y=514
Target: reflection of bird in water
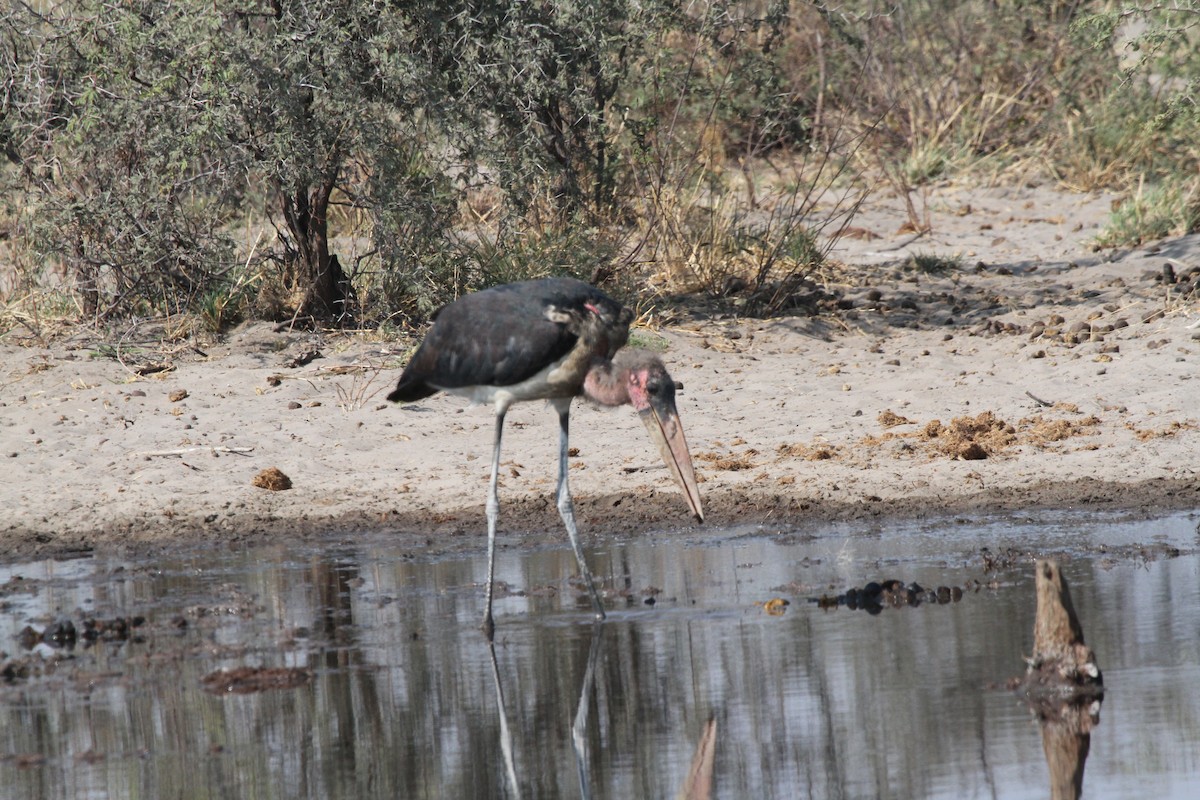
x=552, y=339
x=698, y=784
x=506, y=744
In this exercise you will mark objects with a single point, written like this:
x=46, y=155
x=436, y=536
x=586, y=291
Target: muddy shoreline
x=1029, y=373
x=533, y=521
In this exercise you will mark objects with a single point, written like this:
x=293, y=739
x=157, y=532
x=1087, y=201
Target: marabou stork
x=551, y=339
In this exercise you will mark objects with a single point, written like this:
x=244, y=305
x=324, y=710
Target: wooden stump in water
x=1062, y=684
x=1059, y=652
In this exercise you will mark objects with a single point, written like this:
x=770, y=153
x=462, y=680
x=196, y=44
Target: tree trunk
x=319, y=285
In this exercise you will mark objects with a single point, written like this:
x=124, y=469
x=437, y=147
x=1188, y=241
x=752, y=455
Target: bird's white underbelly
x=548, y=383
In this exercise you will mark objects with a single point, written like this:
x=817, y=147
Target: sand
x=994, y=387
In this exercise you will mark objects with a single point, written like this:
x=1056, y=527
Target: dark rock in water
x=29, y=638
x=13, y=671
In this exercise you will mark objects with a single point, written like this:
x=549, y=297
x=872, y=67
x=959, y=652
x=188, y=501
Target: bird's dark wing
x=499, y=337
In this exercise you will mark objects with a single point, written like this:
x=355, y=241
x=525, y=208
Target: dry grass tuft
x=1040, y=431
x=818, y=452
x=970, y=438
x=982, y=436
x=1146, y=434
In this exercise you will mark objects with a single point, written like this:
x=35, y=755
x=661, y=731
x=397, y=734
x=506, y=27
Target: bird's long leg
x=566, y=508
x=493, y=514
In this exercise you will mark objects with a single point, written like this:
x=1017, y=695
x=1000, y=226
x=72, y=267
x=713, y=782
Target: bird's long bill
x=662, y=420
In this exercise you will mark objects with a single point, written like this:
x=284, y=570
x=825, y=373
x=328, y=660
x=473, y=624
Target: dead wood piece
x=152, y=367
x=1062, y=685
x=183, y=451
x=1038, y=400
x=1058, y=646
x=303, y=358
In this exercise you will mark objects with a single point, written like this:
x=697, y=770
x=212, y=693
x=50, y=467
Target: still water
x=402, y=697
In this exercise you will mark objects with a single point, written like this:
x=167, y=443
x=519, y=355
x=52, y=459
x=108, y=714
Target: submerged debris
x=776, y=606
x=117, y=629
x=874, y=596
x=62, y=636
x=247, y=680
x=63, y=633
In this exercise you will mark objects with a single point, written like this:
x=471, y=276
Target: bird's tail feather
x=411, y=392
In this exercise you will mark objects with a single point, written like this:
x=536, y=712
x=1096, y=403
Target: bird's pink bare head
x=646, y=380
x=647, y=386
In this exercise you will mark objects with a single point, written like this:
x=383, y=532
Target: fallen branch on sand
x=240, y=451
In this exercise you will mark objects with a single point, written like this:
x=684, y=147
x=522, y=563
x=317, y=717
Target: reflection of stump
x=1063, y=684
x=1066, y=739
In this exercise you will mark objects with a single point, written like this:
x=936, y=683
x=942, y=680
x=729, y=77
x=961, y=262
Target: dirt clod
x=890, y=419
x=272, y=478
